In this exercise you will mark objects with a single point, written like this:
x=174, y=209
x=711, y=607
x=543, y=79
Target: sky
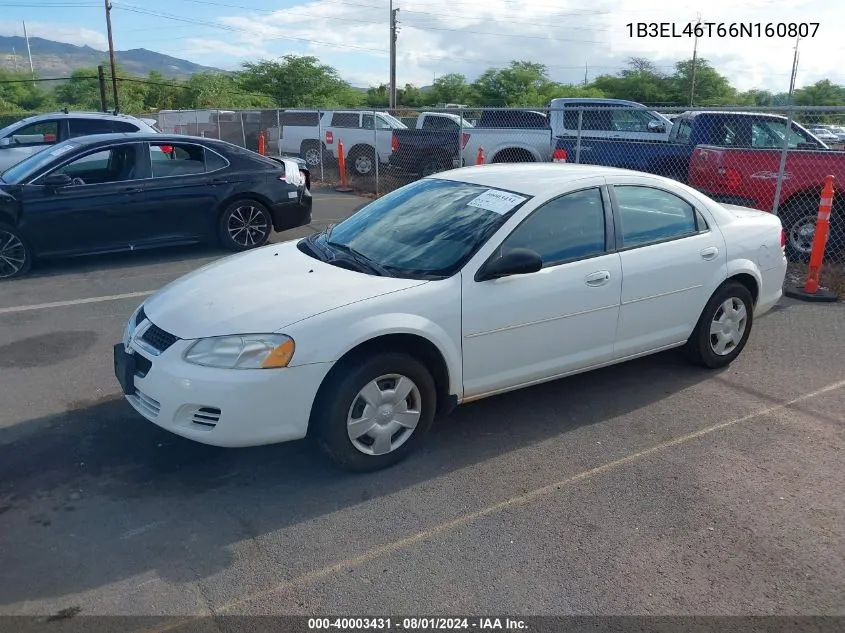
x=453, y=36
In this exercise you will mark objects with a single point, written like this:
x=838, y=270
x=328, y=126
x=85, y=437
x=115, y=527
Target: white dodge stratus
x=462, y=285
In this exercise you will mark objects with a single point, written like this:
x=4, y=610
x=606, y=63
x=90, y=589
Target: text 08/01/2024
x=722, y=29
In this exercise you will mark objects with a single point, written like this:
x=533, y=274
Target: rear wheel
x=375, y=411
x=723, y=328
x=15, y=254
x=311, y=152
x=799, y=224
x=245, y=224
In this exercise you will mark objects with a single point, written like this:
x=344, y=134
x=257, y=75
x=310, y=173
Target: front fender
x=319, y=346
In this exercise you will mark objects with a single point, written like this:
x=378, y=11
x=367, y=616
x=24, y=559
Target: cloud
x=68, y=34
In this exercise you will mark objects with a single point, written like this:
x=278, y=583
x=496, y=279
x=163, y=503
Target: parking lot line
x=74, y=302
x=514, y=501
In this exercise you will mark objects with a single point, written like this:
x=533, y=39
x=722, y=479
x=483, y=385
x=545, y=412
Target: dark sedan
x=120, y=192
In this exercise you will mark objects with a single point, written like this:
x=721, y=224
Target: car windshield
x=19, y=172
x=395, y=123
x=427, y=229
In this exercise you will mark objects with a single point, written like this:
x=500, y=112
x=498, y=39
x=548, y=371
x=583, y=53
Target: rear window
x=346, y=119
x=300, y=119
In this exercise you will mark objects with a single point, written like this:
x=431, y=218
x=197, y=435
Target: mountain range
x=57, y=59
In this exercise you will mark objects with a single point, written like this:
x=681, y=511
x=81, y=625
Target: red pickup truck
x=748, y=177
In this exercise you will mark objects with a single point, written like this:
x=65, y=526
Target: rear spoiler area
x=301, y=164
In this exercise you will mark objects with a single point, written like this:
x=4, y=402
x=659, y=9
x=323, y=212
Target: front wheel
x=723, y=328
x=15, y=254
x=245, y=224
x=374, y=412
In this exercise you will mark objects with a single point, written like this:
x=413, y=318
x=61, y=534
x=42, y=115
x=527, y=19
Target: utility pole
x=393, y=13
x=111, y=56
x=28, y=50
x=785, y=149
x=101, y=77
x=585, y=74
x=694, y=60
x=15, y=58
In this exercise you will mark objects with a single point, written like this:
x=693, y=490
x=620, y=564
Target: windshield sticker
x=496, y=201
x=61, y=150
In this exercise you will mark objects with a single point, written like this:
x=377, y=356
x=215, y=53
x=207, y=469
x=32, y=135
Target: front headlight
x=131, y=324
x=243, y=351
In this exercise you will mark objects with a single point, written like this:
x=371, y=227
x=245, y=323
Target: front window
x=388, y=122
x=771, y=134
x=429, y=228
x=40, y=133
x=21, y=171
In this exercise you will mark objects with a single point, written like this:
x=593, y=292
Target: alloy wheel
x=12, y=254
x=247, y=226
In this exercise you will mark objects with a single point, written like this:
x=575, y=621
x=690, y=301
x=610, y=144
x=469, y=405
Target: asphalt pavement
x=648, y=488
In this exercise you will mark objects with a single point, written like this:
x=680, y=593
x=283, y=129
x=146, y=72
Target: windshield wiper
x=361, y=259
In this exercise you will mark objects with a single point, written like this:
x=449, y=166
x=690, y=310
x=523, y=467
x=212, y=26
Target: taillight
x=394, y=143
x=464, y=140
x=559, y=155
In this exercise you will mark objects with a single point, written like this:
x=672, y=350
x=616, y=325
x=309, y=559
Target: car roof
x=535, y=179
x=94, y=139
x=80, y=115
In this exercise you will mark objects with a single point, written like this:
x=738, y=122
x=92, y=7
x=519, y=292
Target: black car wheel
x=15, y=254
x=245, y=224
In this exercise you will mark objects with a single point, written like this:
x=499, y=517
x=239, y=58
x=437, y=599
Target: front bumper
x=219, y=407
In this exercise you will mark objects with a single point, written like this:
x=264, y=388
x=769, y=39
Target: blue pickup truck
x=672, y=157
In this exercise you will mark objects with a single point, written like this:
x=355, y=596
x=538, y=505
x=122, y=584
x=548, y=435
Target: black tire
x=799, y=223
x=15, y=253
x=358, y=158
x=312, y=153
x=244, y=224
x=339, y=400
x=700, y=347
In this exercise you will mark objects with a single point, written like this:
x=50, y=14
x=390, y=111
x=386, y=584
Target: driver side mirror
x=519, y=261
x=5, y=142
x=656, y=126
x=57, y=180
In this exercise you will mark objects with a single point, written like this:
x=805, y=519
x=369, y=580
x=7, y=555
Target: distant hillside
x=57, y=59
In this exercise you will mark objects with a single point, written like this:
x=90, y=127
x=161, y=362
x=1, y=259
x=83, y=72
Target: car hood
x=263, y=290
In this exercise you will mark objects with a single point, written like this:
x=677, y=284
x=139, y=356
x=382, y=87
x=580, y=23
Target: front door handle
x=599, y=278
x=709, y=253
x=133, y=190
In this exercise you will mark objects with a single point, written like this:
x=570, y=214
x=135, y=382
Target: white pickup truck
x=509, y=136
x=306, y=133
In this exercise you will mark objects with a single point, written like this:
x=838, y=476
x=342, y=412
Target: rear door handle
x=599, y=278
x=709, y=253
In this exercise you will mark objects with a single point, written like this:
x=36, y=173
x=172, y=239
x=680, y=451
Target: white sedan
x=459, y=286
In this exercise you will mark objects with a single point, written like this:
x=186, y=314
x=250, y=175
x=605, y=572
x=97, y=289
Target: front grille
x=158, y=338
x=147, y=406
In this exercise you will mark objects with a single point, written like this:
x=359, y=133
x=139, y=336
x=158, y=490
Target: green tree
x=218, y=90
x=711, y=88
x=641, y=81
x=378, y=96
x=521, y=83
x=19, y=93
x=297, y=81
x=450, y=88
x=821, y=93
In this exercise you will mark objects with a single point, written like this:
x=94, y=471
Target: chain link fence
x=772, y=159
